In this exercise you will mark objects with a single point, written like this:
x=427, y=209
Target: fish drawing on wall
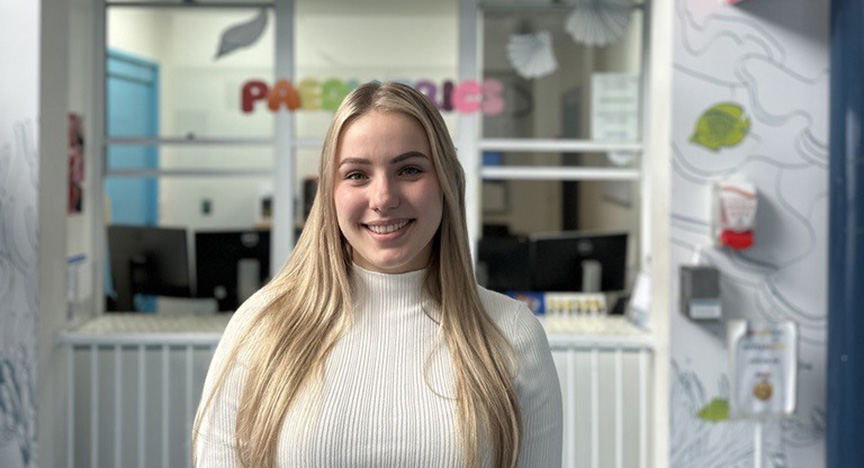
x=242, y=35
x=722, y=125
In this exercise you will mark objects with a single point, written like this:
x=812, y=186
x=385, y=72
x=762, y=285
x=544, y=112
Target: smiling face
x=388, y=201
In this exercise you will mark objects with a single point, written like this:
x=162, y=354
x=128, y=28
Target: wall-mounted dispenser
x=733, y=213
x=700, y=292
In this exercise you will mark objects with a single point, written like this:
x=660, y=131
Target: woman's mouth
x=389, y=231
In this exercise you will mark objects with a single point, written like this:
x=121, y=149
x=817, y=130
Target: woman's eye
x=355, y=176
x=411, y=171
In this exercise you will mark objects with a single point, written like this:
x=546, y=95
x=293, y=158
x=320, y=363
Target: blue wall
x=845, y=431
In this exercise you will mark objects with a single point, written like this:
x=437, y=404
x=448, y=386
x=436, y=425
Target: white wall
x=771, y=57
x=19, y=182
x=32, y=226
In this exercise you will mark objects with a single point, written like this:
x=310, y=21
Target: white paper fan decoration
x=599, y=22
x=531, y=54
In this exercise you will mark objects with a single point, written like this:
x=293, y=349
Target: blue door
x=132, y=104
x=133, y=111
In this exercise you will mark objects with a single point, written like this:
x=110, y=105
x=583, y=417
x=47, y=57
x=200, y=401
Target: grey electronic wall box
x=700, y=292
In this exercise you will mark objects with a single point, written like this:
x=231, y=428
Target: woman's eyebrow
x=396, y=160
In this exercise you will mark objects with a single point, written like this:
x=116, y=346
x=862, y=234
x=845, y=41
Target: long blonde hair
x=290, y=338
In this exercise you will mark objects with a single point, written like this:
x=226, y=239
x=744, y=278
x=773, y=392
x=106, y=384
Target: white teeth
x=387, y=228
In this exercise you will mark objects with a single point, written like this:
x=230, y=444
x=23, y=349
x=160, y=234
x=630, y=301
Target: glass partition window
x=342, y=43
x=571, y=208
x=188, y=170
x=182, y=71
x=591, y=94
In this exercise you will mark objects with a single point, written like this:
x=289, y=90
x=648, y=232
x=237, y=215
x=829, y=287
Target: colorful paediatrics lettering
x=311, y=94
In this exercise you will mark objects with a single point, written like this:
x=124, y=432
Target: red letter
x=254, y=90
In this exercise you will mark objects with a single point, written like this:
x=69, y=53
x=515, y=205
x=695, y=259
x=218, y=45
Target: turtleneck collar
x=395, y=289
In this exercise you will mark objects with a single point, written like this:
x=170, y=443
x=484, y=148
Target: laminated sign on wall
x=764, y=363
x=614, y=106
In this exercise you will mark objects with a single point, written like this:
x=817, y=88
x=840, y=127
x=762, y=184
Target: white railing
x=135, y=382
x=133, y=387
x=606, y=392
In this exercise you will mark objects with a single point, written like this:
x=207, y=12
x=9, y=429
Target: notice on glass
x=614, y=106
x=763, y=368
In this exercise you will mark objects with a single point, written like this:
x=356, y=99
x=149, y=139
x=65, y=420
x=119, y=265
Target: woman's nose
x=385, y=195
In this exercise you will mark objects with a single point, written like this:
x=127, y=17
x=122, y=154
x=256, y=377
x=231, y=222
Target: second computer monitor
x=147, y=260
x=559, y=261
x=231, y=265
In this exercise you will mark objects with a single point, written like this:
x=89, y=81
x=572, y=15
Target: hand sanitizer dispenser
x=700, y=292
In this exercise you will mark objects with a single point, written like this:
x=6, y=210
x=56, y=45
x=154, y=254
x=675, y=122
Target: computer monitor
x=558, y=260
x=147, y=260
x=231, y=265
x=507, y=261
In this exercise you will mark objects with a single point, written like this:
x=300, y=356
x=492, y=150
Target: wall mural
x=750, y=100
x=19, y=172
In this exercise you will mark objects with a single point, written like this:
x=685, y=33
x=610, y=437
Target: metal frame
x=558, y=173
x=190, y=173
x=182, y=4
x=284, y=147
x=98, y=136
x=468, y=146
x=179, y=141
x=541, y=145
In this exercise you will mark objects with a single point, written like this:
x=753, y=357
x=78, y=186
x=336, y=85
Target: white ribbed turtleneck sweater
x=374, y=408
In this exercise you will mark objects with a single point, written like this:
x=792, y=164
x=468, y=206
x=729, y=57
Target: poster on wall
x=75, y=155
x=764, y=363
x=614, y=106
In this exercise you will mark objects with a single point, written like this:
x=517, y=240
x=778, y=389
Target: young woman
x=374, y=346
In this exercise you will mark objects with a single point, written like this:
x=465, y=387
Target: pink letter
x=461, y=95
x=492, y=102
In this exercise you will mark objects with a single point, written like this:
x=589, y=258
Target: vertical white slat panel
x=94, y=406
x=189, y=404
x=142, y=407
x=165, y=404
x=595, y=409
x=70, y=409
x=570, y=416
x=118, y=408
x=643, y=409
x=619, y=419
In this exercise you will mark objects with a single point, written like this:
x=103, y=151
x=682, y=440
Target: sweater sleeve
x=539, y=394
x=215, y=447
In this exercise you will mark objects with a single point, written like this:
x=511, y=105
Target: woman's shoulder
x=241, y=319
x=249, y=309
x=514, y=318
